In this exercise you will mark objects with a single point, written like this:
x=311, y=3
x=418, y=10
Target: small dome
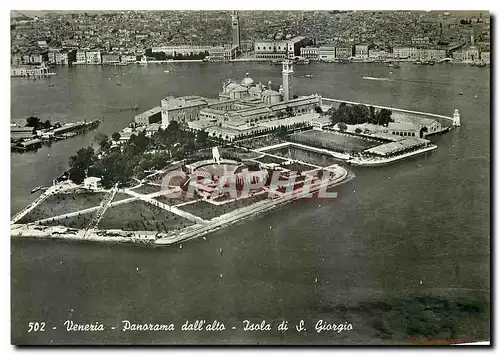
x=247, y=81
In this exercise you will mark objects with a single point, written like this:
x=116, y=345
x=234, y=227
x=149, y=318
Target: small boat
x=118, y=84
x=135, y=107
x=166, y=71
x=308, y=76
x=460, y=93
x=36, y=189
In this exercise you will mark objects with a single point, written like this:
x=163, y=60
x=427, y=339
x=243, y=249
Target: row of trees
x=118, y=164
x=358, y=114
x=37, y=124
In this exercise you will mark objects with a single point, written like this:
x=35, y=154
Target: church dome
x=247, y=81
x=270, y=93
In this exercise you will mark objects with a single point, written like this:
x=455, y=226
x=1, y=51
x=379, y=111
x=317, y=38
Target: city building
x=379, y=54
x=128, y=58
x=149, y=117
x=485, y=57
x=92, y=183
x=81, y=57
x=344, y=52
x=182, y=109
x=110, y=58
x=309, y=52
x=420, y=41
x=28, y=71
x=221, y=53
x=361, y=51
x=271, y=49
x=16, y=59
x=404, y=52
x=320, y=122
x=294, y=45
x=93, y=57
x=403, y=129
x=182, y=49
x=280, y=49
x=327, y=52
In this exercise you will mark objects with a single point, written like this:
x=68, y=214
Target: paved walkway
x=50, y=191
x=150, y=199
x=389, y=108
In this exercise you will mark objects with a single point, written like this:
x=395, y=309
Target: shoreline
x=264, y=60
x=384, y=161
x=152, y=238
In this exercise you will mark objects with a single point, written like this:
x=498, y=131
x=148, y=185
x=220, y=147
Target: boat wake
x=373, y=78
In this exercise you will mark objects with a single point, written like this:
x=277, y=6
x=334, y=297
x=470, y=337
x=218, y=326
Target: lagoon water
x=396, y=239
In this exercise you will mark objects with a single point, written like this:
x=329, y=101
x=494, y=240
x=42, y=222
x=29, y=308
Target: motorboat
x=36, y=189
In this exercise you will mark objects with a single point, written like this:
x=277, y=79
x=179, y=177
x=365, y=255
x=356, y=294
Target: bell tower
x=287, y=80
x=235, y=27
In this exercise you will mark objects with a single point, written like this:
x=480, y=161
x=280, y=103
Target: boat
x=36, y=189
x=135, y=107
x=166, y=71
x=118, y=84
x=460, y=93
x=308, y=76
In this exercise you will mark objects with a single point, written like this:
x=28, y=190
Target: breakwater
x=329, y=101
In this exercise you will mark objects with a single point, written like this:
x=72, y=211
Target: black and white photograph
x=250, y=177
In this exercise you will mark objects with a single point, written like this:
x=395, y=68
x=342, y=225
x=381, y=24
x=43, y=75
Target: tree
x=318, y=109
x=342, y=126
x=371, y=117
x=358, y=130
x=342, y=114
x=202, y=138
x=116, y=136
x=102, y=141
x=47, y=124
x=385, y=117
x=80, y=163
x=289, y=111
x=32, y=122
x=278, y=114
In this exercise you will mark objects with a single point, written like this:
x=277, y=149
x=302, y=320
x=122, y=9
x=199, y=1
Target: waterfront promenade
x=329, y=101
x=199, y=229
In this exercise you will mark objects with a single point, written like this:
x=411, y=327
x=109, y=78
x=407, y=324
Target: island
x=195, y=165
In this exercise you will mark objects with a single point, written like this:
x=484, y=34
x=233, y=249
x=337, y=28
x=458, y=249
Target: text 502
x=36, y=327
